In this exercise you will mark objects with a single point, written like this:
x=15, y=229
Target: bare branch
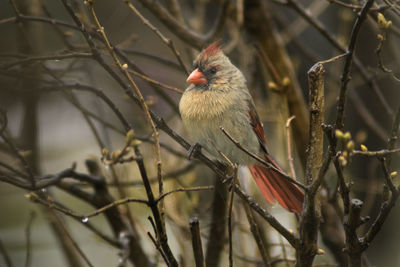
x=180, y=30
x=196, y=242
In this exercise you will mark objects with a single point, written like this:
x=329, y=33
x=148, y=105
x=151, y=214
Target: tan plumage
x=218, y=97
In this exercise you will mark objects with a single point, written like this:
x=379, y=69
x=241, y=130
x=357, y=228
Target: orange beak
x=197, y=77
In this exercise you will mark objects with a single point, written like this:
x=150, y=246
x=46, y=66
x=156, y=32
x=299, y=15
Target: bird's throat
x=202, y=105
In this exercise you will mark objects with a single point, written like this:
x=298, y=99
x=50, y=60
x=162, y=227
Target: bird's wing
x=272, y=184
x=257, y=126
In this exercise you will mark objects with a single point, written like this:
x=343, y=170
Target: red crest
x=211, y=50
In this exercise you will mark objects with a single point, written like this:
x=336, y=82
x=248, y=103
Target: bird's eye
x=213, y=70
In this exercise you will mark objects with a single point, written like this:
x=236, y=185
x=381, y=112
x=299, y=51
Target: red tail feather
x=275, y=187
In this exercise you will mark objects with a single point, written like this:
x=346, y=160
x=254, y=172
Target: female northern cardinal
x=218, y=97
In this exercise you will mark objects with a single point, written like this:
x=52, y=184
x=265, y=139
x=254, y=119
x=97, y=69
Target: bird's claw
x=194, y=150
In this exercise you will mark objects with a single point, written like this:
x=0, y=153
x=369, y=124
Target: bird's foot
x=194, y=150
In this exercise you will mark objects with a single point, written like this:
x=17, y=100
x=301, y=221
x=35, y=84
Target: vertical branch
x=351, y=223
x=394, y=136
x=6, y=257
x=196, y=242
x=258, y=23
x=309, y=221
x=289, y=147
x=162, y=238
x=28, y=239
x=348, y=62
x=230, y=217
x=217, y=234
x=73, y=243
x=257, y=234
x=70, y=253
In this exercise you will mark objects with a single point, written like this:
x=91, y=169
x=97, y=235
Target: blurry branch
x=6, y=256
x=257, y=234
x=161, y=93
x=289, y=147
x=365, y=114
x=84, y=218
x=29, y=59
x=171, y=175
x=14, y=149
x=357, y=7
x=74, y=244
x=165, y=61
x=288, y=235
x=49, y=180
x=58, y=225
x=182, y=31
x=298, y=7
x=101, y=198
x=21, y=17
x=28, y=238
x=380, y=153
x=174, y=8
x=339, y=124
x=390, y=200
x=144, y=77
x=51, y=204
x=164, y=39
x=217, y=233
x=232, y=168
x=259, y=24
x=394, y=136
x=384, y=212
x=196, y=242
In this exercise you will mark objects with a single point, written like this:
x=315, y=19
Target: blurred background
x=54, y=123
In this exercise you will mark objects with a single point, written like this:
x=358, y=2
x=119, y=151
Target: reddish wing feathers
x=257, y=126
x=271, y=183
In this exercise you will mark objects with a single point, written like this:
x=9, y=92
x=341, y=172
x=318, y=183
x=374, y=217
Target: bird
x=218, y=98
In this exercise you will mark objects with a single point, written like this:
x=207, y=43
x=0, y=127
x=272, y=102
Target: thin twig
x=28, y=238
x=339, y=124
x=196, y=242
x=29, y=59
x=230, y=208
x=289, y=147
x=380, y=153
x=144, y=77
x=6, y=256
x=255, y=230
x=184, y=33
x=141, y=100
x=74, y=244
x=302, y=11
x=265, y=163
x=165, y=40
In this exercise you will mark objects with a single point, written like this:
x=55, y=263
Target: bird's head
x=212, y=70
